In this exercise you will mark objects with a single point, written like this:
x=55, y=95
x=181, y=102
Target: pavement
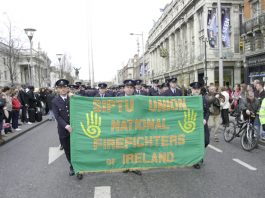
x=25, y=128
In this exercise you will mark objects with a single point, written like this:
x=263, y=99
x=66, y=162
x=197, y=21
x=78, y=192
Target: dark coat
x=107, y=94
x=121, y=94
x=23, y=98
x=170, y=93
x=206, y=114
x=50, y=97
x=143, y=93
x=61, y=111
x=153, y=92
x=33, y=100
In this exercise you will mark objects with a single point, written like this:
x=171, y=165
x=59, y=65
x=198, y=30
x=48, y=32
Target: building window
x=255, y=8
x=200, y=20
x=5, y=74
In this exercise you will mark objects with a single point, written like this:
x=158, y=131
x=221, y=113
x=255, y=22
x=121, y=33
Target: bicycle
x=243, y=129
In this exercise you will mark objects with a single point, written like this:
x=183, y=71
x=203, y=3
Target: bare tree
x=11, y=52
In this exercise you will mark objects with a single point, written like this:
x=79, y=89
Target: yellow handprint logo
x=93, y=125
x=189, y=121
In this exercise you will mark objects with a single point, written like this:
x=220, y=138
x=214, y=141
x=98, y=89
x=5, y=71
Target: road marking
x=54, y=154
x=245, y=164
x=214, y=148
x=102, y=192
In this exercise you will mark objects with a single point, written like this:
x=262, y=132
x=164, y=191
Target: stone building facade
x=20, y=67
x=176, y=43
x=253, y=39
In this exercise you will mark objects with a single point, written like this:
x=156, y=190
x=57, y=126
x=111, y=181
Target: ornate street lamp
x=30, y=32
x=60, y=56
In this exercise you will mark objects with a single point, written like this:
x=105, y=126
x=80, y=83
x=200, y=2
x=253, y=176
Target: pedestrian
x=214, y=109
x=61, y=110
x=24, y=100
x=51, y=95
x=173, y=90
x=196, y=91
x=6, y=91
x=153, y=91
x=225, y=105
x=138, y=88
x=103, y=91
x=129, y=90
x=16, y=106
x=260, y=96
x=262, y=118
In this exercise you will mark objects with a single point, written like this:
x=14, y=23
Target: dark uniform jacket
x=153, y=92
x=107, y=94
x=141, y=92
x=170, y=93
x=61, y=111
x=122, y=94
x=206, y=114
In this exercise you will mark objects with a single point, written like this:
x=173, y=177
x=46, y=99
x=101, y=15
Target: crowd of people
x=22, y=105
x=241, y=101
x=219, y=104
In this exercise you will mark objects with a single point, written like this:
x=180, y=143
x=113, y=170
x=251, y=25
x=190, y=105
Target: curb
x=21, y=133
x=261, y=143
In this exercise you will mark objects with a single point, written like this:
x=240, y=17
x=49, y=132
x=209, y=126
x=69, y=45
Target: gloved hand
x=263, y=127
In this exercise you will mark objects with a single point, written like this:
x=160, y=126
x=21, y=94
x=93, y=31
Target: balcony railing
x=253, y=24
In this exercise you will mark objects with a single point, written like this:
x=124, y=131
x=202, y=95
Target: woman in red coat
x=16, y=105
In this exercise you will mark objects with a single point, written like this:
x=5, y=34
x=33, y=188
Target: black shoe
x=126, y=171
x=79, y=176
x=197, y=166
x=71, y=172
x=61, y=147
x=137, y=172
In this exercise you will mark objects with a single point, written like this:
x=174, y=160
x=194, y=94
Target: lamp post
x=142, y=35
x=59, y=56
x=221, y=67
x=28, y=59
x=30, y=32
x=205, y=40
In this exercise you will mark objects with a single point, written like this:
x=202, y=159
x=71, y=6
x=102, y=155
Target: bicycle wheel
x=229, y=131
x=249, y=139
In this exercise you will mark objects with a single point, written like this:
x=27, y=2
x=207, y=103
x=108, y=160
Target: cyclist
x=249, y=106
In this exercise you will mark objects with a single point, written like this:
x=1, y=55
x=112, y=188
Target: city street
x=228, y=171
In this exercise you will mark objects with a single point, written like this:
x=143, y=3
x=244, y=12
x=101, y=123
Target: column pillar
x=237, y=73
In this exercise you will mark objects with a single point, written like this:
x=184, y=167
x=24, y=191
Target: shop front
x=255, y=68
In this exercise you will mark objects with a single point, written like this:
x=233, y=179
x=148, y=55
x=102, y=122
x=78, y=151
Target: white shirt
x=64, y=97
x=225, y=104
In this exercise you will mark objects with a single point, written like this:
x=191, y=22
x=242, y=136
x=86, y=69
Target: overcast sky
x=63, y=26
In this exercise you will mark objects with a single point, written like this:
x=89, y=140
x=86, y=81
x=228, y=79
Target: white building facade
x=176, y=43
x=17, y=63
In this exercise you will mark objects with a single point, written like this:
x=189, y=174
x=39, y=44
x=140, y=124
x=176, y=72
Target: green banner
x=136, y=132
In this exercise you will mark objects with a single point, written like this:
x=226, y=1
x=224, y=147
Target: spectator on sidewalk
x=260, y=97
x=225, y=105
x=235, y=97
x=24, y=100
x=214, y=108
x=51, y=95
x=8, y=107
x=2, y=104
x=16, y=105
x=262, y=118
